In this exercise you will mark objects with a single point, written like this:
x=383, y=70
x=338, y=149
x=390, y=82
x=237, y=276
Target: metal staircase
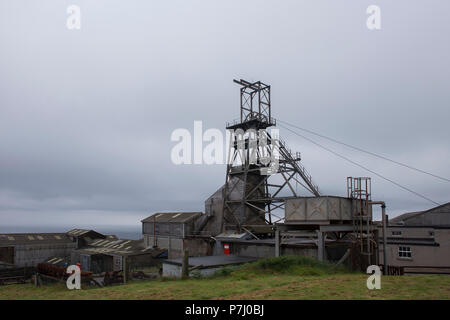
x=287, y=156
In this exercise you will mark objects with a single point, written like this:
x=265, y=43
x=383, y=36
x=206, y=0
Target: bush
x=224, y=271
x=196, y=274
x=286, y=263
x=297, y=265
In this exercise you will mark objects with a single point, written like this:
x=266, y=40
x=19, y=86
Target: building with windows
x=420, y=240
x=176, y=232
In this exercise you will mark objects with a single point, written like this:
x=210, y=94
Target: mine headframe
x=260, y=167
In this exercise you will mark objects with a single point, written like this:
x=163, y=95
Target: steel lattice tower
x=249, y=195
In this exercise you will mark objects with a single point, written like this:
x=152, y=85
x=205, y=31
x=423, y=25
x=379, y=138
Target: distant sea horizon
x=122, y=232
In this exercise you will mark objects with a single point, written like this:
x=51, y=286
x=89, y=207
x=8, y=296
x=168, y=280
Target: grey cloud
x=86, y=116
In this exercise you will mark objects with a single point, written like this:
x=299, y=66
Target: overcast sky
x=86, y=115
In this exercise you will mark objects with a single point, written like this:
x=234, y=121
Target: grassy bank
x=275, y=278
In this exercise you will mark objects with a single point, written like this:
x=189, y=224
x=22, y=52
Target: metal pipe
x=383, y=214
x=155, y=244
x=277, y=242
x=383, y=218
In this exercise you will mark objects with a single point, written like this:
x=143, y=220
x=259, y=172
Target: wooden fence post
x=185, y=265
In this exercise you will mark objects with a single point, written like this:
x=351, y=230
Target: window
x=396, y=233
x=404, y=252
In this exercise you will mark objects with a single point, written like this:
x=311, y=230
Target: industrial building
x=114, y=255
x=259, y=212
x=420, y=241
x=95, y=252
x=29, y=249
x=176, y=232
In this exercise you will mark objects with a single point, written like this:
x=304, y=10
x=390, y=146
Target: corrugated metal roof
x=179, y=217
x=85, y=233
x=78, y=232
x=31, y=238
x=405, y=216
x=59, y=261
x=119, y=247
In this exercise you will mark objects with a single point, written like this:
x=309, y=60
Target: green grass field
x=275, y=278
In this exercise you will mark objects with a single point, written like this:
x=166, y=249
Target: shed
x=104, y=255
x=29, y=249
